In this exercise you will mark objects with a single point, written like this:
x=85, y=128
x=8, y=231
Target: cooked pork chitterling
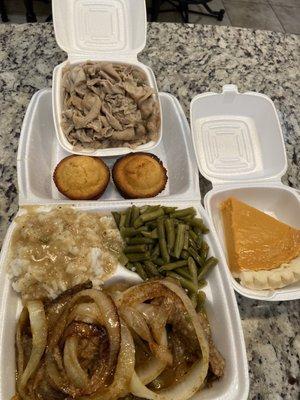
x=108, y=105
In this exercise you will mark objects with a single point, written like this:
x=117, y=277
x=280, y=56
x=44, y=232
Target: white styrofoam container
x=99, y=30
x=39, y=152
x=239, y=147
x=221, y=307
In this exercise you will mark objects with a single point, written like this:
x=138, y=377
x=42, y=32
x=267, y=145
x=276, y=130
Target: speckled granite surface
x=187, y=60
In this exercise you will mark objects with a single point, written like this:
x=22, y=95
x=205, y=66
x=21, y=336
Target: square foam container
x=99, y=30
x=39, y=153
x=222, y=311
x=239, y=147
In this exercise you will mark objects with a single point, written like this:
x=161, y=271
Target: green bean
x=128, y=232
x=135, y=212
x=117, y=217
x=204, y=250
x=184, y=282
x=148, y=217
x=201, y=297
x=196, y=256
x=134, y=257
x=210, y=263
x=193, y=270
x=184, y=254
x=128, y=217
x=196, y=238
x=139, y=240
x=202, y=283
x=122, y=220
x=162, y=241
x=187, y=219
x=151, y=268
x=169, y=210
x=173, y=265
x=194, y=299
x=158, y=261
x=183, y=272
x=136, y=248
x=183, y=213
x=193, y=245
x=170, y=233
x=143, y=209
x=130, y=266
x=199, y=223
x=148, y=209
x=152, y=235
x=123, y=259
x=179, y=240
x=197, y=230
x=186, y=240
x=140, y=270
x=155, y=252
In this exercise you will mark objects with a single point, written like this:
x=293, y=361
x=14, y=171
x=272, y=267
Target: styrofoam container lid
x=86, y=27
x=237, y=137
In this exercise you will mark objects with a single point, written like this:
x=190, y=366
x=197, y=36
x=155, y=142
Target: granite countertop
x=187, y=60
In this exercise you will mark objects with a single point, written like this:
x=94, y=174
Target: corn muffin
x=81, y=177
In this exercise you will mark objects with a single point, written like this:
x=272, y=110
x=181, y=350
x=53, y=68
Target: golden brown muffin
x=81, y=177
x=139, y=175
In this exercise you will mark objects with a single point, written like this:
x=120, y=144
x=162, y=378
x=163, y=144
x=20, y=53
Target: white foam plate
x=221, y=307
x=239, y=147
x=280, y=202
x=39, y=152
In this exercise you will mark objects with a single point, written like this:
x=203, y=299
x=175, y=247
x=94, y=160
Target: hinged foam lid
x=237, y=137
x=91, y=28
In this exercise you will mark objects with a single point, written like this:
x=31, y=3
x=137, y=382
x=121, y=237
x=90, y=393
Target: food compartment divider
x=221, y=307
x=39, y=153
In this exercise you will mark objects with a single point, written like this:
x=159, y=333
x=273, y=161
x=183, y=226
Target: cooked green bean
x=162, y=241
x=158, y=261
x=202, y=283
x=186, y=240
x=135, y=212
x=148, y=217
x=117, y=217
x=152, y=235
x=128, y=217
x=151, y=268
x=204, y=250
x=184, y=254
x=136, y=248
x=139, y=240
x=183, y=281
x=183, y=272
x=196, y=238
x=123, y=259
x=134, y=257
x=128, y=232
x=183, y=213
x=169, y=210
x=130, y=266
x=156, y=251
x=179, y=240
x=173, y=265
x=143, y=209
x=122, y=220
x=170, y=233
x=210, y=263
x=201, y=297
x=196, y=256
x=194, y=299
x=200, y=224
x=140, y=270
x=193, y=270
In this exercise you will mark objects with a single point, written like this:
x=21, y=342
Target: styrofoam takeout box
x=239, y=147
x=39, y=153
x=99, y=30
x=221, y=308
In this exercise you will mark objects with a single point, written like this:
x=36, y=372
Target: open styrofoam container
x=39, y=153
x=99, y=30
x=239, y=147
x=221, y=308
